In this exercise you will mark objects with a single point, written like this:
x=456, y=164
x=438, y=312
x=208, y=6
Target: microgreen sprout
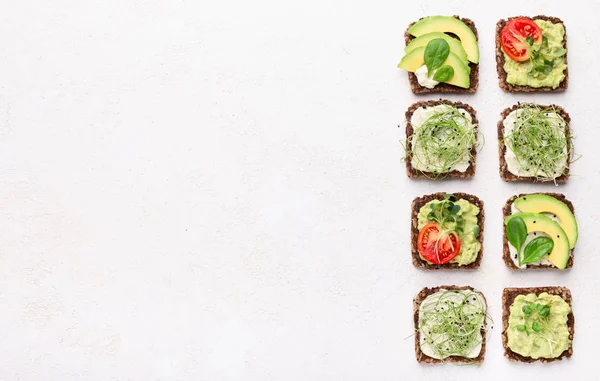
x=453, y=324
x=445, y=139
x=539, y=142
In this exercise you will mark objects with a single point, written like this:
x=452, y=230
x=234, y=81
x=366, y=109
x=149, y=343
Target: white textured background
x=213, y=190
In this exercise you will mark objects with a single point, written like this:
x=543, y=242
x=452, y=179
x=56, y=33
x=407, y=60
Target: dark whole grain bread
x=423, y=358
x=444, y=87
x=414, y=231
x=505, y=174
x=508, y=297
x=500, y=59
x=506, y=211
x=412, y=172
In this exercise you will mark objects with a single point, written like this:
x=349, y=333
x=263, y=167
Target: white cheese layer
x=420, y=158
x=432, y=302
x=518, y=168
x=530, y=236
x=424, y=79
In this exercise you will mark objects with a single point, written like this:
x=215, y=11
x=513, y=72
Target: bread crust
x=423, y=358
x=414, y=173
x=505, y=174
x=508, y=297
x=500, y=60
x=444, y=87
x=506, y=211
x=417, y=203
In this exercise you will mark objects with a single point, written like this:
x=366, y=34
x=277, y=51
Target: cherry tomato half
x=513, y=38
x=437, y=247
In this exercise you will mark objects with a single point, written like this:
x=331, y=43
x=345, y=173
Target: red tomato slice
x=437, y=247
x=513, y=37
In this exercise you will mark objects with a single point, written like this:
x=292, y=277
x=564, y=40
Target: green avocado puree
x=469, y=246
x=553, y=336
x=518, y=73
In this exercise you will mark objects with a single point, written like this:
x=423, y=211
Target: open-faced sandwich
x=540, y=231
x=442, y=140
x=531, y=54
x=535, y=143
x=450, y=325
x=442, y=55
x=537, y=324
x=447, y=231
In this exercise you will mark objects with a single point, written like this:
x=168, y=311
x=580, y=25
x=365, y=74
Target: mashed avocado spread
x=537, y=326
x=521, y=73
x=469, y=246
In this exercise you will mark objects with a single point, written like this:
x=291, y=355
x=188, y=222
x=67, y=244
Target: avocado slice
x=542, y=203
x=462, y=72
x=447, y=24
x=539, y=223
x=455, y=46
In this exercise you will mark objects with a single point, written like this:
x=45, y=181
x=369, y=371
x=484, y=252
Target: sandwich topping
x=537, y=326
x=534, y=55
x=450, y=324
x=436, y=56
x=536, y=143
x=540, y=230
x=442, y=140
x=448, y=231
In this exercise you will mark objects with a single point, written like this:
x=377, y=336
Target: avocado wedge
x=542, y=203
x=455, y=45
x=447, y=24
x=462, y=73
x=539, y=223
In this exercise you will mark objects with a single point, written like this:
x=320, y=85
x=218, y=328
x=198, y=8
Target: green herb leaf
x=526, y=309
x=436, y=52
x=536, y=326
x=536, y=249
x=476, y=231
x=444, y=73
x=454, y=209
x=530, y=40
x=545, y=311
x=520, y=327
x=447, y=196
x=516, y=232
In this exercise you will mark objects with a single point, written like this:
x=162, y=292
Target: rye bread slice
x=444, y=87
x=422, y=357
x=506, y=211
x=414, y=173
x=414, y=231
x=508, y=297
x=505, y=174
x=500, y=59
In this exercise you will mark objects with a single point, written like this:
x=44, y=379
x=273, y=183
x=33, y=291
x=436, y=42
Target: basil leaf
x=436, y=52
x=537, y=248
x=444, y=73
x=516, y=232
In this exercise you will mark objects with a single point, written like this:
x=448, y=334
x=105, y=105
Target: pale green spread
x=518, y=73
x=553, y=336
x=469, y=246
